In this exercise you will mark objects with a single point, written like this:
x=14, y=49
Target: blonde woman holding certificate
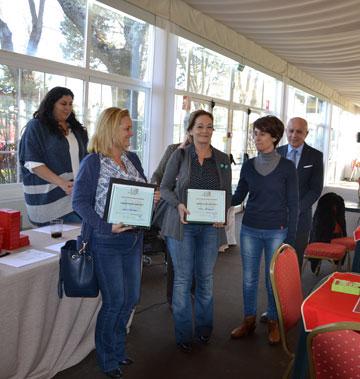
x=194, y=246
x=116, y=248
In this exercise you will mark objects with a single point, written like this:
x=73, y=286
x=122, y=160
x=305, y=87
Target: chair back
x=334, y=351
x=329, y=218
x=286, y=284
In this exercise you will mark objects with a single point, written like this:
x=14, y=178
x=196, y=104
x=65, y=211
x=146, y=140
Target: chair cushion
x=348, y=242
x=323, y=250
x=336, y=354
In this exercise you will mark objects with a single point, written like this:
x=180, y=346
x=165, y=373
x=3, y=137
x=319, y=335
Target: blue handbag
x=77, y=276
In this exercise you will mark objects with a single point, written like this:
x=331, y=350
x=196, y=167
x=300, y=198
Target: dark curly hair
x=271, y=125
x=45, y=111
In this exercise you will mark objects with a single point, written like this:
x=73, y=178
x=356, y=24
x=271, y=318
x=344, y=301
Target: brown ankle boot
x=274, y=332
x=246, y=328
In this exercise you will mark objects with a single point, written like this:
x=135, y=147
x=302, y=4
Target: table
x=41, y=334
x=352, y=206
x=324, y=306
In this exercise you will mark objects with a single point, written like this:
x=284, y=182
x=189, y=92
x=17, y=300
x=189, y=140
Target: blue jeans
x=252, y=244
x=117, y=260
x=195, y=256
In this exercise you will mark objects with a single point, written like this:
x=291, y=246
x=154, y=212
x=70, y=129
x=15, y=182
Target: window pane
x=184, y=47
x=314, y=110
x=210, y=73
x=256, y=89
x=250, y=143
x=343, y=164
x=8, y=124
x=119, y=43
x=238, y=143
x=53, y=30
x=34, y=86
x=184, y=105
x=219, y=137
x=103, y=96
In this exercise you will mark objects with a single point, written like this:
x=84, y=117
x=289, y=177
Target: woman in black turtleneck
x=270, y=218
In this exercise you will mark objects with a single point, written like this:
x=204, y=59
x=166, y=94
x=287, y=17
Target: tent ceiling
x=321, y=37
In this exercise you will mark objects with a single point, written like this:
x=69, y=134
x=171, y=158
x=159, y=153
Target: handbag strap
x=60, y=281
x=86, y=230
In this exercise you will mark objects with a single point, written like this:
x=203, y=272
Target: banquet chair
x=331, y=252
x=328, y=223
x=334, y=351
x=349, y=244
x=286, y=284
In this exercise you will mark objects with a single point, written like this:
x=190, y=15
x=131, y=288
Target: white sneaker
x=222, y=248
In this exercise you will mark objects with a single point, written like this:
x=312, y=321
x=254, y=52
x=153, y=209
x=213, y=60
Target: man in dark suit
x=310, y=169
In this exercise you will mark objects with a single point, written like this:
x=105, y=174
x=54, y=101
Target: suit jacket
x=310, y=172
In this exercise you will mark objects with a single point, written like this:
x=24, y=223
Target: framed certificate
x=129, y=202
x=206, y=206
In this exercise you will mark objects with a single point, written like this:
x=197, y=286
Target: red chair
x=334, y=351
x=331, y=252
x=349, y=243
x=286, y=284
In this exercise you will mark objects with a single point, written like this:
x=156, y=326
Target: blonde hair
x=106, y=129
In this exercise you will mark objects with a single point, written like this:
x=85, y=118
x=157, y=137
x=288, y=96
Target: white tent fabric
x=315, y=43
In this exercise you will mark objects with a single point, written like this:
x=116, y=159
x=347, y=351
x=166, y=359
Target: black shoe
x=126, y=362
x=204, y=339
x=185, y=347
x=117, y=373
x=264, y=318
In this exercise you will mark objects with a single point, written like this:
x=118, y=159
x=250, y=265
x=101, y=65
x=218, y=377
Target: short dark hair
x=194, y=115
x=271, y=125
x=45, y=111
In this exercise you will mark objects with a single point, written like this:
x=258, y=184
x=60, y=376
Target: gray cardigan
x=176, y=181
x=159, y=172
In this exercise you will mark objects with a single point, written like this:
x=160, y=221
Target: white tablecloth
x=41, y=334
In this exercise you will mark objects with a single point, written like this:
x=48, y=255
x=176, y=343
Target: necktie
x=293, y=154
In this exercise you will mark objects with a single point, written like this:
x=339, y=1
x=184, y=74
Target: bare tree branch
x=32, y=11
x=5, y=37
x=37, y=25
x=115, y=59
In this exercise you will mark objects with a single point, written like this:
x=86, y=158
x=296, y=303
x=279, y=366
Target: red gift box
x=10, y=219
x=24, y=240
x=10, y=222
x=2, y=231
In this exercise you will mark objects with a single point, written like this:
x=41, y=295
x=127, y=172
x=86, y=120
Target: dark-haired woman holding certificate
x=116, y=248
x=197, y=187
